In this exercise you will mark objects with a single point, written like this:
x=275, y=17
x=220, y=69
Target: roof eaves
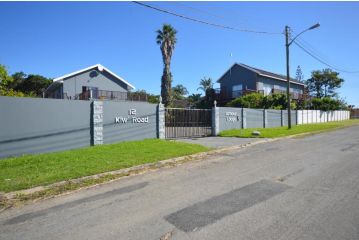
x=100, y=68
x=282, y=79
x=77, y=72
x=226, y=72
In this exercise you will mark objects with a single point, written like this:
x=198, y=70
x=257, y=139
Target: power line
x=322, y=61
x=311, y=48
x=201, y=11
x=242, y=30
x=218, y=16
x=203, y=22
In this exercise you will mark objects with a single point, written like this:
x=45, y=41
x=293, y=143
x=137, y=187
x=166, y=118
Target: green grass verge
x=42, y=169
x=284, y=131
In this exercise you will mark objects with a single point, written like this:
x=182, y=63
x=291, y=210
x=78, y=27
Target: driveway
x=303, y=188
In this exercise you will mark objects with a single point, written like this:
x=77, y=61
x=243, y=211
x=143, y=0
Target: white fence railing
x=318, y=116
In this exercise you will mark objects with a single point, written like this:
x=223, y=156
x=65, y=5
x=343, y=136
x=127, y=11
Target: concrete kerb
x=140, y=169
x=135, y=170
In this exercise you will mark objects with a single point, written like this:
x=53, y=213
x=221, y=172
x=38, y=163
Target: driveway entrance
x=181, y=123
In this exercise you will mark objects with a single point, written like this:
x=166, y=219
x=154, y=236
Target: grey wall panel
x=285, y=118
x=230, y=118
x=293, y=117
x=116, y=132
x=35, y=125
x=254, y=118
x=274, y=118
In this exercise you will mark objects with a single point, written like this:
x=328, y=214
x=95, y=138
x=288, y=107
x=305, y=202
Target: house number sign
x=232, y=117
x=131, y=118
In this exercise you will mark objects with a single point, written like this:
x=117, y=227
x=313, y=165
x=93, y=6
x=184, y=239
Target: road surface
x=303, y=188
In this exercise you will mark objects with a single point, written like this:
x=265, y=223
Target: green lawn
x=284, y=131
x=42, y=169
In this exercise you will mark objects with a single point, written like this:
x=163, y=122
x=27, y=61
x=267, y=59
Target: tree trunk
x=166, y=86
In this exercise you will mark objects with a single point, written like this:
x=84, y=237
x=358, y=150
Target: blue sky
x=55, y=38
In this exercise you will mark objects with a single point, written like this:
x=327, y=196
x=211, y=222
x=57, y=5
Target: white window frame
x=267, y=89
x=237, y=90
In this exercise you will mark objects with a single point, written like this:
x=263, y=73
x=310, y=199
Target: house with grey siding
x=241, y=79
x=94, y=82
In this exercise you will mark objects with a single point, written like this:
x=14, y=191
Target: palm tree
x=166, y=38
x=205, y=84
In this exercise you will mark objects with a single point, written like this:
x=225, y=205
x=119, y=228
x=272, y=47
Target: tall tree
x=205, y=84
x=299, y=74
x=324, y=83
x=166, y=38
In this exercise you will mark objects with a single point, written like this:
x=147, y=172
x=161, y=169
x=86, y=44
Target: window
x=282, y=89
x=237, y=90
x=267, y=89
x=296, y=90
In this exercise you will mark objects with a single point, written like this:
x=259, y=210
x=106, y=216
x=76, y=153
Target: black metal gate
x=180, y=122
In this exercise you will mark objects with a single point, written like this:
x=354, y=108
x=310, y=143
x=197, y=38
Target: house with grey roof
x=94, y=82
x=241, y=79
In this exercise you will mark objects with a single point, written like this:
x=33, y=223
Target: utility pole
x=288, y=76
x=287, y=44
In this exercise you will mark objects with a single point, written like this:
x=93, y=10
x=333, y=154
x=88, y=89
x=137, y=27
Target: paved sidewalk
x=220, y=142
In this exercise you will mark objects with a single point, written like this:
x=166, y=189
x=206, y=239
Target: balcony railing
x=294, y=95
x=224, y=95
x=113, y=95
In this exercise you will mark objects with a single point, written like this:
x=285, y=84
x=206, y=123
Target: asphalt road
x=304, y=188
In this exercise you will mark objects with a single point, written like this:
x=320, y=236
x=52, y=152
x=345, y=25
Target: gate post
x=161, y=129
x=265, y=118
x=244, y=118
x=215, y=120
x=96, y=123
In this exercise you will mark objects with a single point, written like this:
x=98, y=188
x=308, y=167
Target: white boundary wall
x=318, y=116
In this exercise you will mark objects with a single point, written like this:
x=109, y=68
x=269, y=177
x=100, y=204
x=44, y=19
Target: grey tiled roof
x=263, y=73
x=270, y=74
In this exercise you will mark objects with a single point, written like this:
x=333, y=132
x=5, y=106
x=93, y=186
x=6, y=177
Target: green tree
x=151, y=98
x=205, y=84
x=166, y=38
x=5, y=79
x=33, y=85
x=179, y=92
x=257, y=100
x=5, y=84
x=275, y=101
x=324, y=83
x=253, y=100
x=194, y=98
x=18, y=78
x=325, y=104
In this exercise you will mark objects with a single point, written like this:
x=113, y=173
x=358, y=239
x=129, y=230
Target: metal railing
x=113, y=95
x=223, y=94
x=294, y=95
